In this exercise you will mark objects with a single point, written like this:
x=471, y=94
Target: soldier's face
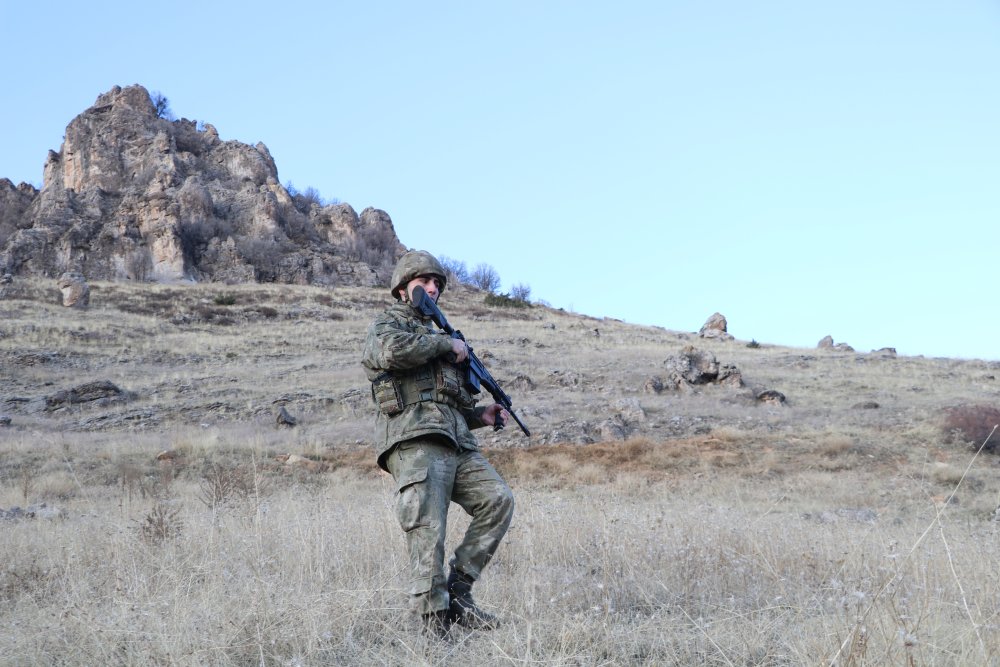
x=431, y=285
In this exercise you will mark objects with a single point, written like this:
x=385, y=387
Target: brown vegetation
x=974, y=425
x=179, y=524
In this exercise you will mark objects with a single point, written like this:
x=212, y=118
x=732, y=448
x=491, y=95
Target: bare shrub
x=485, y=277
x=520, y=292
x=457, y=270
x=221, y=484
x=297, y=224
x=138, y=264
x=161, y=523
x=305, y=200
x=833, y=446
x=972, y=425
x=374, y=245
x=264, y=255
x=196, y=235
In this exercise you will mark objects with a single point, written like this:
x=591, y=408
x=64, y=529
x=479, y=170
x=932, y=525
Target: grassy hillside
x=176, y=522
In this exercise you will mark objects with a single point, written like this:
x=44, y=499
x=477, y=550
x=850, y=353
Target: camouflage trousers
x=429, y=476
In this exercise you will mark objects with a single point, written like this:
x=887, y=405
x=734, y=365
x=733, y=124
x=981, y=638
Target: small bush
x=504, y=301
x=222, y=484
x=753, y=344
x=161, y=523
x=972, y=425
x=224, y=299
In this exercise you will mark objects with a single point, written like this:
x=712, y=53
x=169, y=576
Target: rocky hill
x=132, y=195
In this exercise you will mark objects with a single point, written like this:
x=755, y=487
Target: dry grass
x=718, y=532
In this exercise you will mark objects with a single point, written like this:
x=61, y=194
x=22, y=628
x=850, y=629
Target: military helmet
x=416, y=263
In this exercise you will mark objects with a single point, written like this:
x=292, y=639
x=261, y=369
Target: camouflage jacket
x=401, y=340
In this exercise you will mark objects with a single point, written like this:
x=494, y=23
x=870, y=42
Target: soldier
x=424, y=439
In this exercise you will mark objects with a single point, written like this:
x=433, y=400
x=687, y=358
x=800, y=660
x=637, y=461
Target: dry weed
x=720, y=532
x=161, y=523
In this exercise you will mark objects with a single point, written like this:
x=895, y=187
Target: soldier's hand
x=460, y=350
x=495, y=413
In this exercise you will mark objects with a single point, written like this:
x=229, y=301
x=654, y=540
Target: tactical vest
x=437, y=381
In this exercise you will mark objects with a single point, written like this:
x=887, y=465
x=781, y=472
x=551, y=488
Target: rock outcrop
x=131, y=195
x=716, y=327
x=826, y=343
x=693, y=367
x=75, y=290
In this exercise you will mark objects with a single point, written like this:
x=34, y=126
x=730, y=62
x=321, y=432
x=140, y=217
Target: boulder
x=39, y=511
x=284, y=418
x=654, y=385
x=826, y=343
x=612, y=429
x=629, y=410
x=75, y=290
x=100, y=392
x=715, y=327
x=694, y=367
x=770, y=396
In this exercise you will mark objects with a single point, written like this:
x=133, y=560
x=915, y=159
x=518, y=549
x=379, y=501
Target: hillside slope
x=155, y=510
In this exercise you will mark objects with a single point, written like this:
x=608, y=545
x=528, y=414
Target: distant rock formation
x=826, y=343
x=716, y=327
x=134, y=196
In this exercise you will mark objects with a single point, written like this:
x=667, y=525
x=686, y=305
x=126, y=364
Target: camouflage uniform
x=424, y=439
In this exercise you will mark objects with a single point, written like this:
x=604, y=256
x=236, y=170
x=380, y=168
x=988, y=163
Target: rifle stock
x=476, y=374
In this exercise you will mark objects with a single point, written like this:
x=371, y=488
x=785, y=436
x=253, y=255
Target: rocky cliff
x=134, y=196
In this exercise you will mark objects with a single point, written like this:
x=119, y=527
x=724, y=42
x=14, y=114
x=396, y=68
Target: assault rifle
x=475, y=373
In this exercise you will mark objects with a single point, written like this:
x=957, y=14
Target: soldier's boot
x=463, y=609
x=436, y=624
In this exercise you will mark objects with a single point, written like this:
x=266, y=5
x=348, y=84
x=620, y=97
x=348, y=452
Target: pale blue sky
x=804, y=168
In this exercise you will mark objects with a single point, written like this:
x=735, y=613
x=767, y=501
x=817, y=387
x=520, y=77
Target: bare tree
x=485, y=277
x=162, y=105
x=520, y=292
x=456, y=269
